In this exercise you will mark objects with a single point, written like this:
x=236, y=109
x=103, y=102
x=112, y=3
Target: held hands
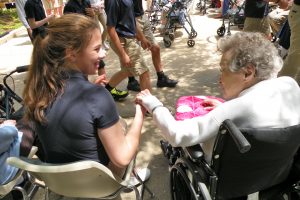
x=147, y=100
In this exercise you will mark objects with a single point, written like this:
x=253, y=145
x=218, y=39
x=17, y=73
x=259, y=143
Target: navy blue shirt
x=120, y=14
x=73, y=119
x=34, y=9
x=256, y=8
x=74, y=6
x=138, y=8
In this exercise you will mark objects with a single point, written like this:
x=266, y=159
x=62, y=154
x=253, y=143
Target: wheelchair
x=244, y=161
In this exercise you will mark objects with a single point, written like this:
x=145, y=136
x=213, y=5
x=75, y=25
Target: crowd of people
x=76, y=119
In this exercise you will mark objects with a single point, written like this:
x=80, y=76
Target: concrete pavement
x=196, y=69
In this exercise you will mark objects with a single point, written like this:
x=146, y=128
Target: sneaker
x=134, y=86
x=165, y=81
x=106, y=45
x=118, y=94
x=143, y=174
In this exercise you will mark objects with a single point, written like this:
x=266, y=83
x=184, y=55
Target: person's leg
x=291, y=65
x=261, y=25
x=162, y=79
x=145, y=81
x=102, y=20
x=139, y=67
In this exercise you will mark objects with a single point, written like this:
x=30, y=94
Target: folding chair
x=244, y=161
x=82, y=179
x=13, y=184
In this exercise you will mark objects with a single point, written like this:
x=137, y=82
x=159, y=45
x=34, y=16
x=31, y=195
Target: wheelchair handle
x=22, y=69
x=237, y=136
x=12, y=93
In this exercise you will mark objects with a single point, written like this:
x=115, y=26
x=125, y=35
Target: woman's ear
x=249, y=72
x=70, y=55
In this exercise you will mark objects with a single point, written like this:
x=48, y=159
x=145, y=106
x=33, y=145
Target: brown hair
x=48, y=63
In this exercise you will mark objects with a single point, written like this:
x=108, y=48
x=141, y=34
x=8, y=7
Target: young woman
x=76, y=119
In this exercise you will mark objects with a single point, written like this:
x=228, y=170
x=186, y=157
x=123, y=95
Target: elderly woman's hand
x=147, y=100
x=210, y=104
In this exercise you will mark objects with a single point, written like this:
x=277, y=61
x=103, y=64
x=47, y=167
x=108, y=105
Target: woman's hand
x=101, y=80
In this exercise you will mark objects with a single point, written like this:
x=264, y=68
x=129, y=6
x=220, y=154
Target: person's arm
x=141, y=37
x=283, y=4
x=179, y=133
x=122, y=147
x=35, y=24
x=124, y=58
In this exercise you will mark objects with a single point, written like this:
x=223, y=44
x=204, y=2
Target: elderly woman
x=255, y=96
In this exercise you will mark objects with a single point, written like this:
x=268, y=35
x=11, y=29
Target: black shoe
x=134, y=86
x=165, y=81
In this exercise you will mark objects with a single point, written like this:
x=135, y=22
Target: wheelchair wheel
x=153, y=29
x=221, y=31
x=167, y=43
x=193, y=34
x=181, y=187
x=191, y=43
x=171, y=36
x=185, y=180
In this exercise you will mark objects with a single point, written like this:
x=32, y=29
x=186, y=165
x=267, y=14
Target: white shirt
x=271, y=103
x=20, y=4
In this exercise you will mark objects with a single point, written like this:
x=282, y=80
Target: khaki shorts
x=146, y=28
x=291, y=65
x=257, y=25
x=134, y=51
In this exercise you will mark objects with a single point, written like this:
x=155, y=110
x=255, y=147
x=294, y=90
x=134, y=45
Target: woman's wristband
x=153, y=109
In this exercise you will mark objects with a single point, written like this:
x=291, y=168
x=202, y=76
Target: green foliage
x=9, y=20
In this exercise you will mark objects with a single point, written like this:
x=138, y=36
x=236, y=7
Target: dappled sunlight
x=197, y=70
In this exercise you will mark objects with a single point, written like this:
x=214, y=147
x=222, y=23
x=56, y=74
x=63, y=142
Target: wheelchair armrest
x=237, y=136
x=195, y=152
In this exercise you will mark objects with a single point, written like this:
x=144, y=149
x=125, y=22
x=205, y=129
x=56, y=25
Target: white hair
x=254, y=48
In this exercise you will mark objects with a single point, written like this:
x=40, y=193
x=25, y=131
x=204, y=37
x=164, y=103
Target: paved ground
x=196, y=69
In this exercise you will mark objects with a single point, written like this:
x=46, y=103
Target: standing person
x=122, y=30
x=80, y=7
x=291, y=65
x=20, y=4
x=75, y=119
x=162, y=79
x=256, y=13
x=98, y=6
x=36, y=17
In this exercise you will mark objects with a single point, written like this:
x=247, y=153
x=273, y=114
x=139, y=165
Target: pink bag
x=192, y=106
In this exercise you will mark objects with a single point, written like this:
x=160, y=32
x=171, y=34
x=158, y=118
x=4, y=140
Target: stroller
x=154, y=14
x=176, y=18
x=202, y=6
x=234, y=12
